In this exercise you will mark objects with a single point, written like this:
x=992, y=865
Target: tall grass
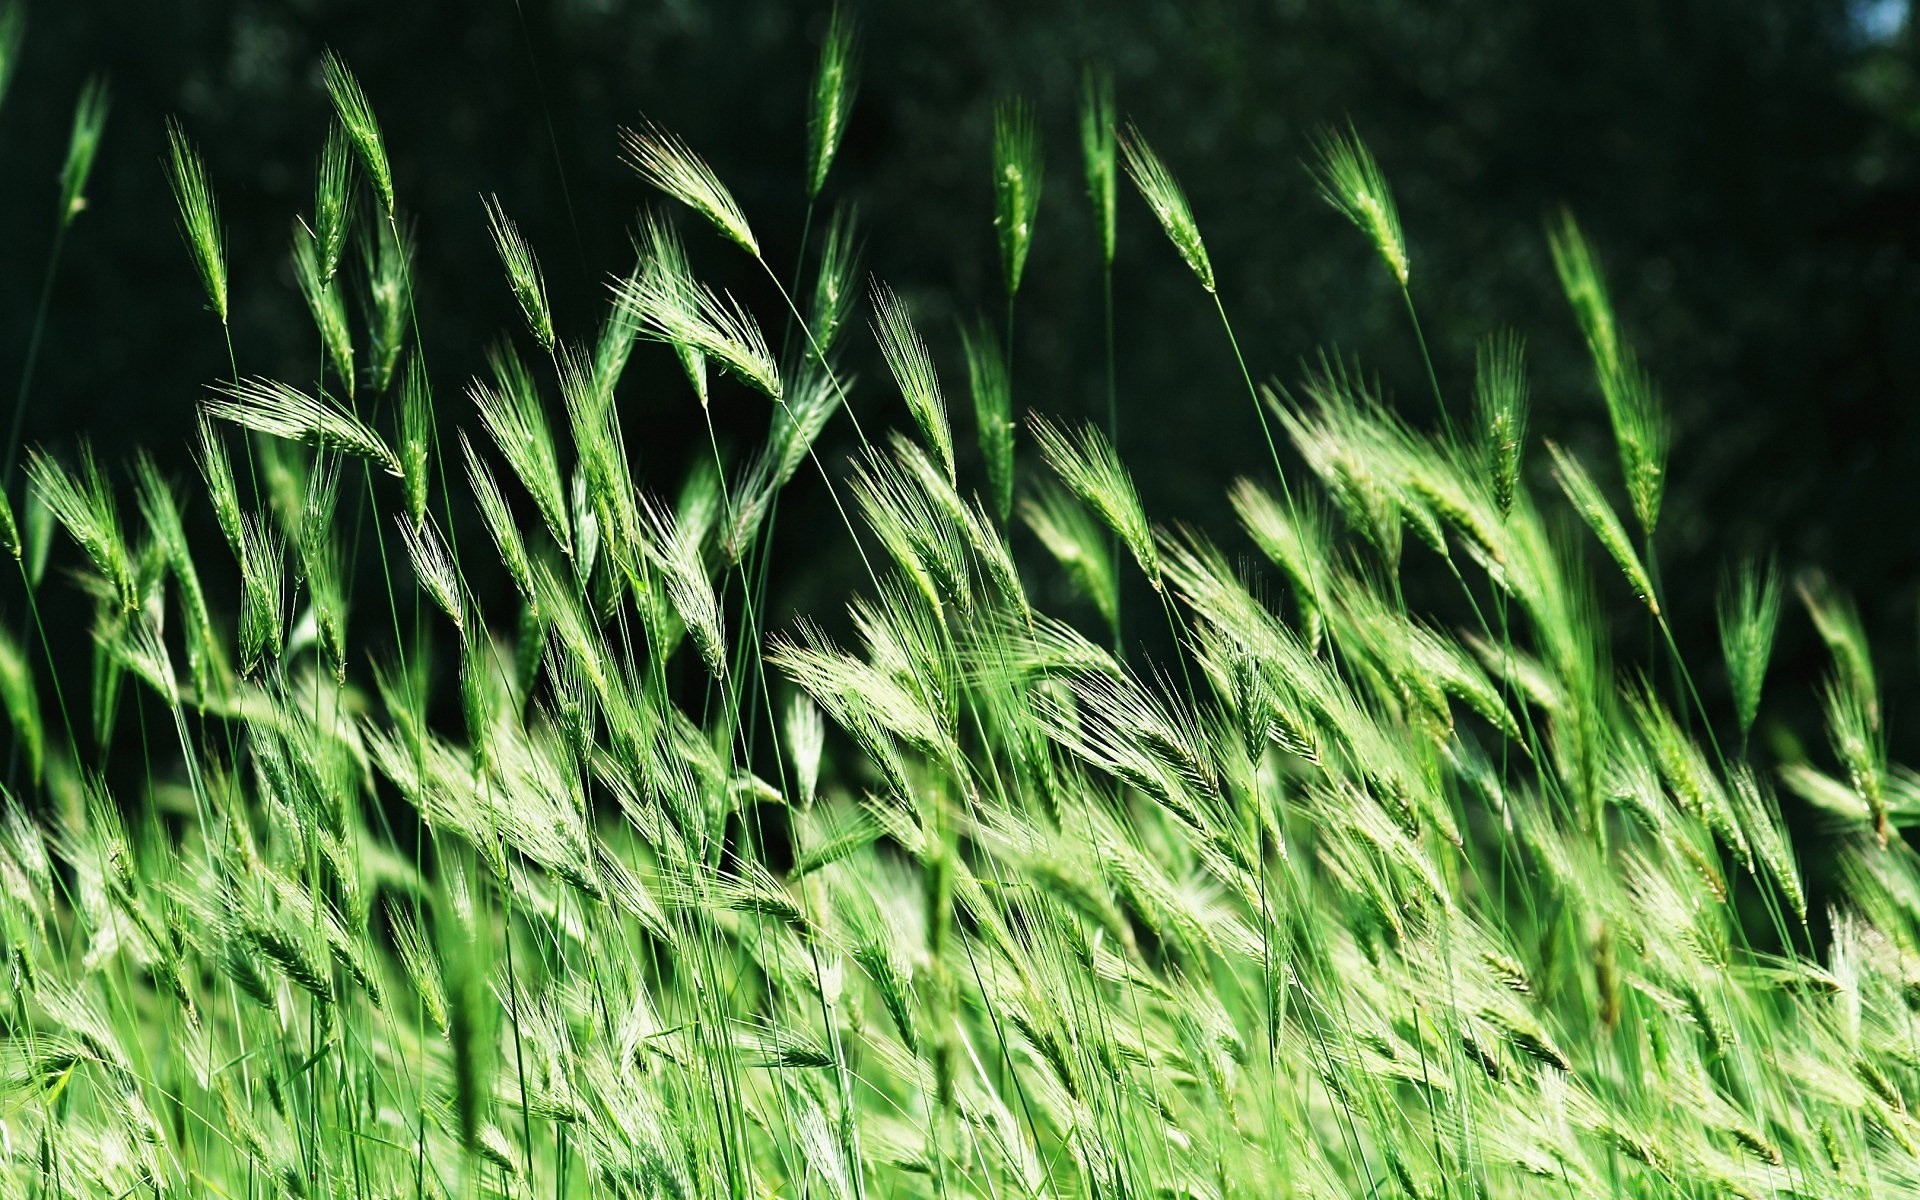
x=644, y=899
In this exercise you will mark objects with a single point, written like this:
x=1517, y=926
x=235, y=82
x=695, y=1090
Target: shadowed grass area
x=590, y=884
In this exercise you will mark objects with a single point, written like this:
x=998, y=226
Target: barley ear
x=216, y=468
x=523, y=272
x=834, y=84
x=992, y=410
x=1351, y=182
x=9, y=528
x=21, y=696
x=1074, y=539
x=332, y=200
x=834, y=289
x=356, y=116
x=912, y=368
x=416, y=437
x=13, y=32
x=1749, y=612
x=89, y=122
x=666, y=163
x=1092, y=471
x=1500, y=404
x=1097, y=150
x=326, y=304
x=1642, y=433
x=1600, y=517
x=1838, y=622
x=1169, y=204
x=1016, y=185
x=199, y=216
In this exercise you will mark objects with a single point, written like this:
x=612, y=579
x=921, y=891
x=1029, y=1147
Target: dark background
x=1746, y=169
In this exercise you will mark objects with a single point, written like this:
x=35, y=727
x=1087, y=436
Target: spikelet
x=1861, y=748
x=9, y=528
x=1759, y=817
x=262, y=596
x=834, y=84
x=499, y=521
x=667, y=164
x=356, y=117
x=1643, y=434
x=658, y=243
x=1168, y=202
x=199, y=216
x=523, y=272
x=1640, y=425
x=1351, y=182
x=1837, y=621
x=1586, y=289
x=89, y=122
x=673, y=544
x=806, y=740
x=913, y=371
x=1016, y=186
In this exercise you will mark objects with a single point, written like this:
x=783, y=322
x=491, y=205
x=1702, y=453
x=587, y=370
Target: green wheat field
x=597, y=884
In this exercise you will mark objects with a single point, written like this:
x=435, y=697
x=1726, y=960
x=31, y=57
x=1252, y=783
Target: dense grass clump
x=628, y=895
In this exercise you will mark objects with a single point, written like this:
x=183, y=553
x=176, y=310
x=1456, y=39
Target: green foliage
x=601, y=887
